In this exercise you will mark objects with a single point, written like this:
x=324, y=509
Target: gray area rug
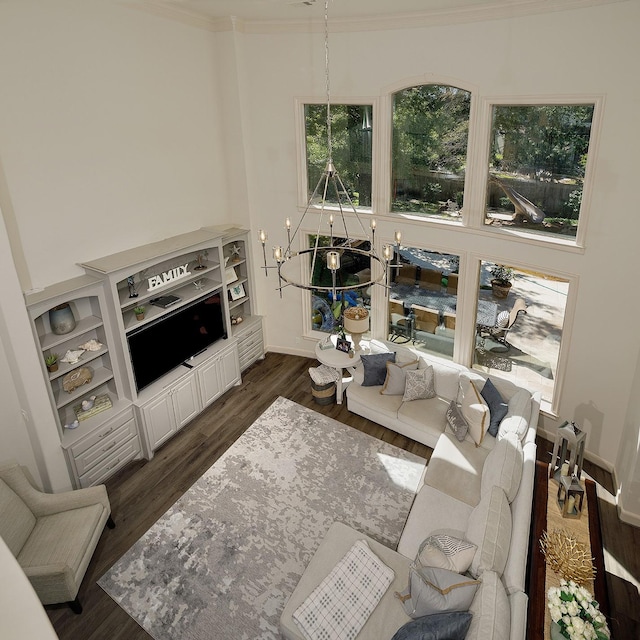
x=222, y=562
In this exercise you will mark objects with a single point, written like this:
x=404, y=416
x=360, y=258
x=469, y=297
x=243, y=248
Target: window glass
x=520, y=325
x=354, y=268
x=429, y=156
x=537, y=166
x=351, y=134
x=423, y=300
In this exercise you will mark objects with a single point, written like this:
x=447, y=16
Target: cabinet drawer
x=111, y=463
x=104, y=432
x=249, y=342
x=103, y=448
x=251, y=356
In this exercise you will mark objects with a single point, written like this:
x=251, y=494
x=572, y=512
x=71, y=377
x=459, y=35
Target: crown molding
x=433, y=18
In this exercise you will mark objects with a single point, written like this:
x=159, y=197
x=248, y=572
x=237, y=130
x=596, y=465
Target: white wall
x=588, y=51
x=109, y=130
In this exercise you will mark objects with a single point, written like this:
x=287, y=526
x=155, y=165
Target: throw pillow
x=456, y=421
x=395, y=381
x=497, y=406
x=489, y=528
x=434, y=590
x=517, y=418
x=342, y=603
x=447, y=552
x=375, y=368
x=420, y=385
x=474, y=409
x=490, y=609
x=503, y=467
x=452, y=625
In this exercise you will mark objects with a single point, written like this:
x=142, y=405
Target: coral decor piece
x=567, y=557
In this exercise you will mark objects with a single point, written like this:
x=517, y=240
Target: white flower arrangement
x=577, y=614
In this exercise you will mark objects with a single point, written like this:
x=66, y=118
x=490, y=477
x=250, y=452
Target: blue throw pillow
x=438, y=626
x=375, y=368
x=497, y=406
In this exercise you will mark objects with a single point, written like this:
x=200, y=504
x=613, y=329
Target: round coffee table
x=339, y=360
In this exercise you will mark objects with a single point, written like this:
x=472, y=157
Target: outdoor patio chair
x=425, y=320
x=452, y=283
x=399, y=324
x=52, y=536
x=449, y=320
x=505, y=323
x=406, y=274
x=430, y=279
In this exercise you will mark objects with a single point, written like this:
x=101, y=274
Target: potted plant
x=52, y=362
x=139, y=311
x=501, y=281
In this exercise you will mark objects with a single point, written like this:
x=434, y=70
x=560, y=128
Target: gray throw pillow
x=456, y=421
x=438, y=626
x=497, y=406
x=395, y=381
x=434, y=590
x=375, y=368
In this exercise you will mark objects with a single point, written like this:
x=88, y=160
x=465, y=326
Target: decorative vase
x=556, y=632
x=500, y=290
x=61, y=319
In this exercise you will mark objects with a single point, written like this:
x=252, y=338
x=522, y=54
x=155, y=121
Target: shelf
x=186, y=294
x=101, y=376
x=52, y=340
x=126, y=302
x=85, y=358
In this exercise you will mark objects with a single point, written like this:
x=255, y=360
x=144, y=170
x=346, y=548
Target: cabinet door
x=186, y=401
x=210, y=383
x=229, y=369
x=159, y=420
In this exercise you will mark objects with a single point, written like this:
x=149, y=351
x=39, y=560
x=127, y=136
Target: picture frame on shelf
x=237, y=292
x=230, y=275
x=343, y=345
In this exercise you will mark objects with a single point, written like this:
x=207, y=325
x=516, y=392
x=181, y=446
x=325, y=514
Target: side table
x=340, y=361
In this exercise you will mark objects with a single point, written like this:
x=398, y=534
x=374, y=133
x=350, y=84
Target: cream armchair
x=52, y=536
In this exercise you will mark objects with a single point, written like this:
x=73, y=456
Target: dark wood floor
x=144, y=490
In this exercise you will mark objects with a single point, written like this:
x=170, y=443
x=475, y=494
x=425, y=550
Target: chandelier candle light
x=356, y=322
x=338, y=250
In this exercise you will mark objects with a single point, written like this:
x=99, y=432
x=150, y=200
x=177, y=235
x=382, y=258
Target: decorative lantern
x=570, y=441
x=570, y=496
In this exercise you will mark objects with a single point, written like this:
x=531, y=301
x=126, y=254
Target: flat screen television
x=166, y=343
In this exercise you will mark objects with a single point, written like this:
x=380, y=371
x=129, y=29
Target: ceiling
x=352, y=14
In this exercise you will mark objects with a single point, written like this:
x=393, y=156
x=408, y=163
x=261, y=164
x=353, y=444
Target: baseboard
x=291, y=352
x=627, y=516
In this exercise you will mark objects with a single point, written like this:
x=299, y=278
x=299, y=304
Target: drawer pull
x=113, y=444
x=115, y=464
x=106, y=433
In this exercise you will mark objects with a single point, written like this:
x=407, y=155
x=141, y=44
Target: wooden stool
x=568, y=438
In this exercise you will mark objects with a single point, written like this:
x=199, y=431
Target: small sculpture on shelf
x=71, y=357
x=88, y=403
x=91, y=345
x=76, y=379
x=131, y=283
x=201, y=259
x=72, y=425
x=236, y=253
x=236, y=319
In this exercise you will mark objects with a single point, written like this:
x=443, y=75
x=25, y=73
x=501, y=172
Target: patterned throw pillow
x=452, y=625
x=447, y=552
x=420, y=385
x=456, y=421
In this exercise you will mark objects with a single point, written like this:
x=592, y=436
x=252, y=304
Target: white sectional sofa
x=482, y=493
